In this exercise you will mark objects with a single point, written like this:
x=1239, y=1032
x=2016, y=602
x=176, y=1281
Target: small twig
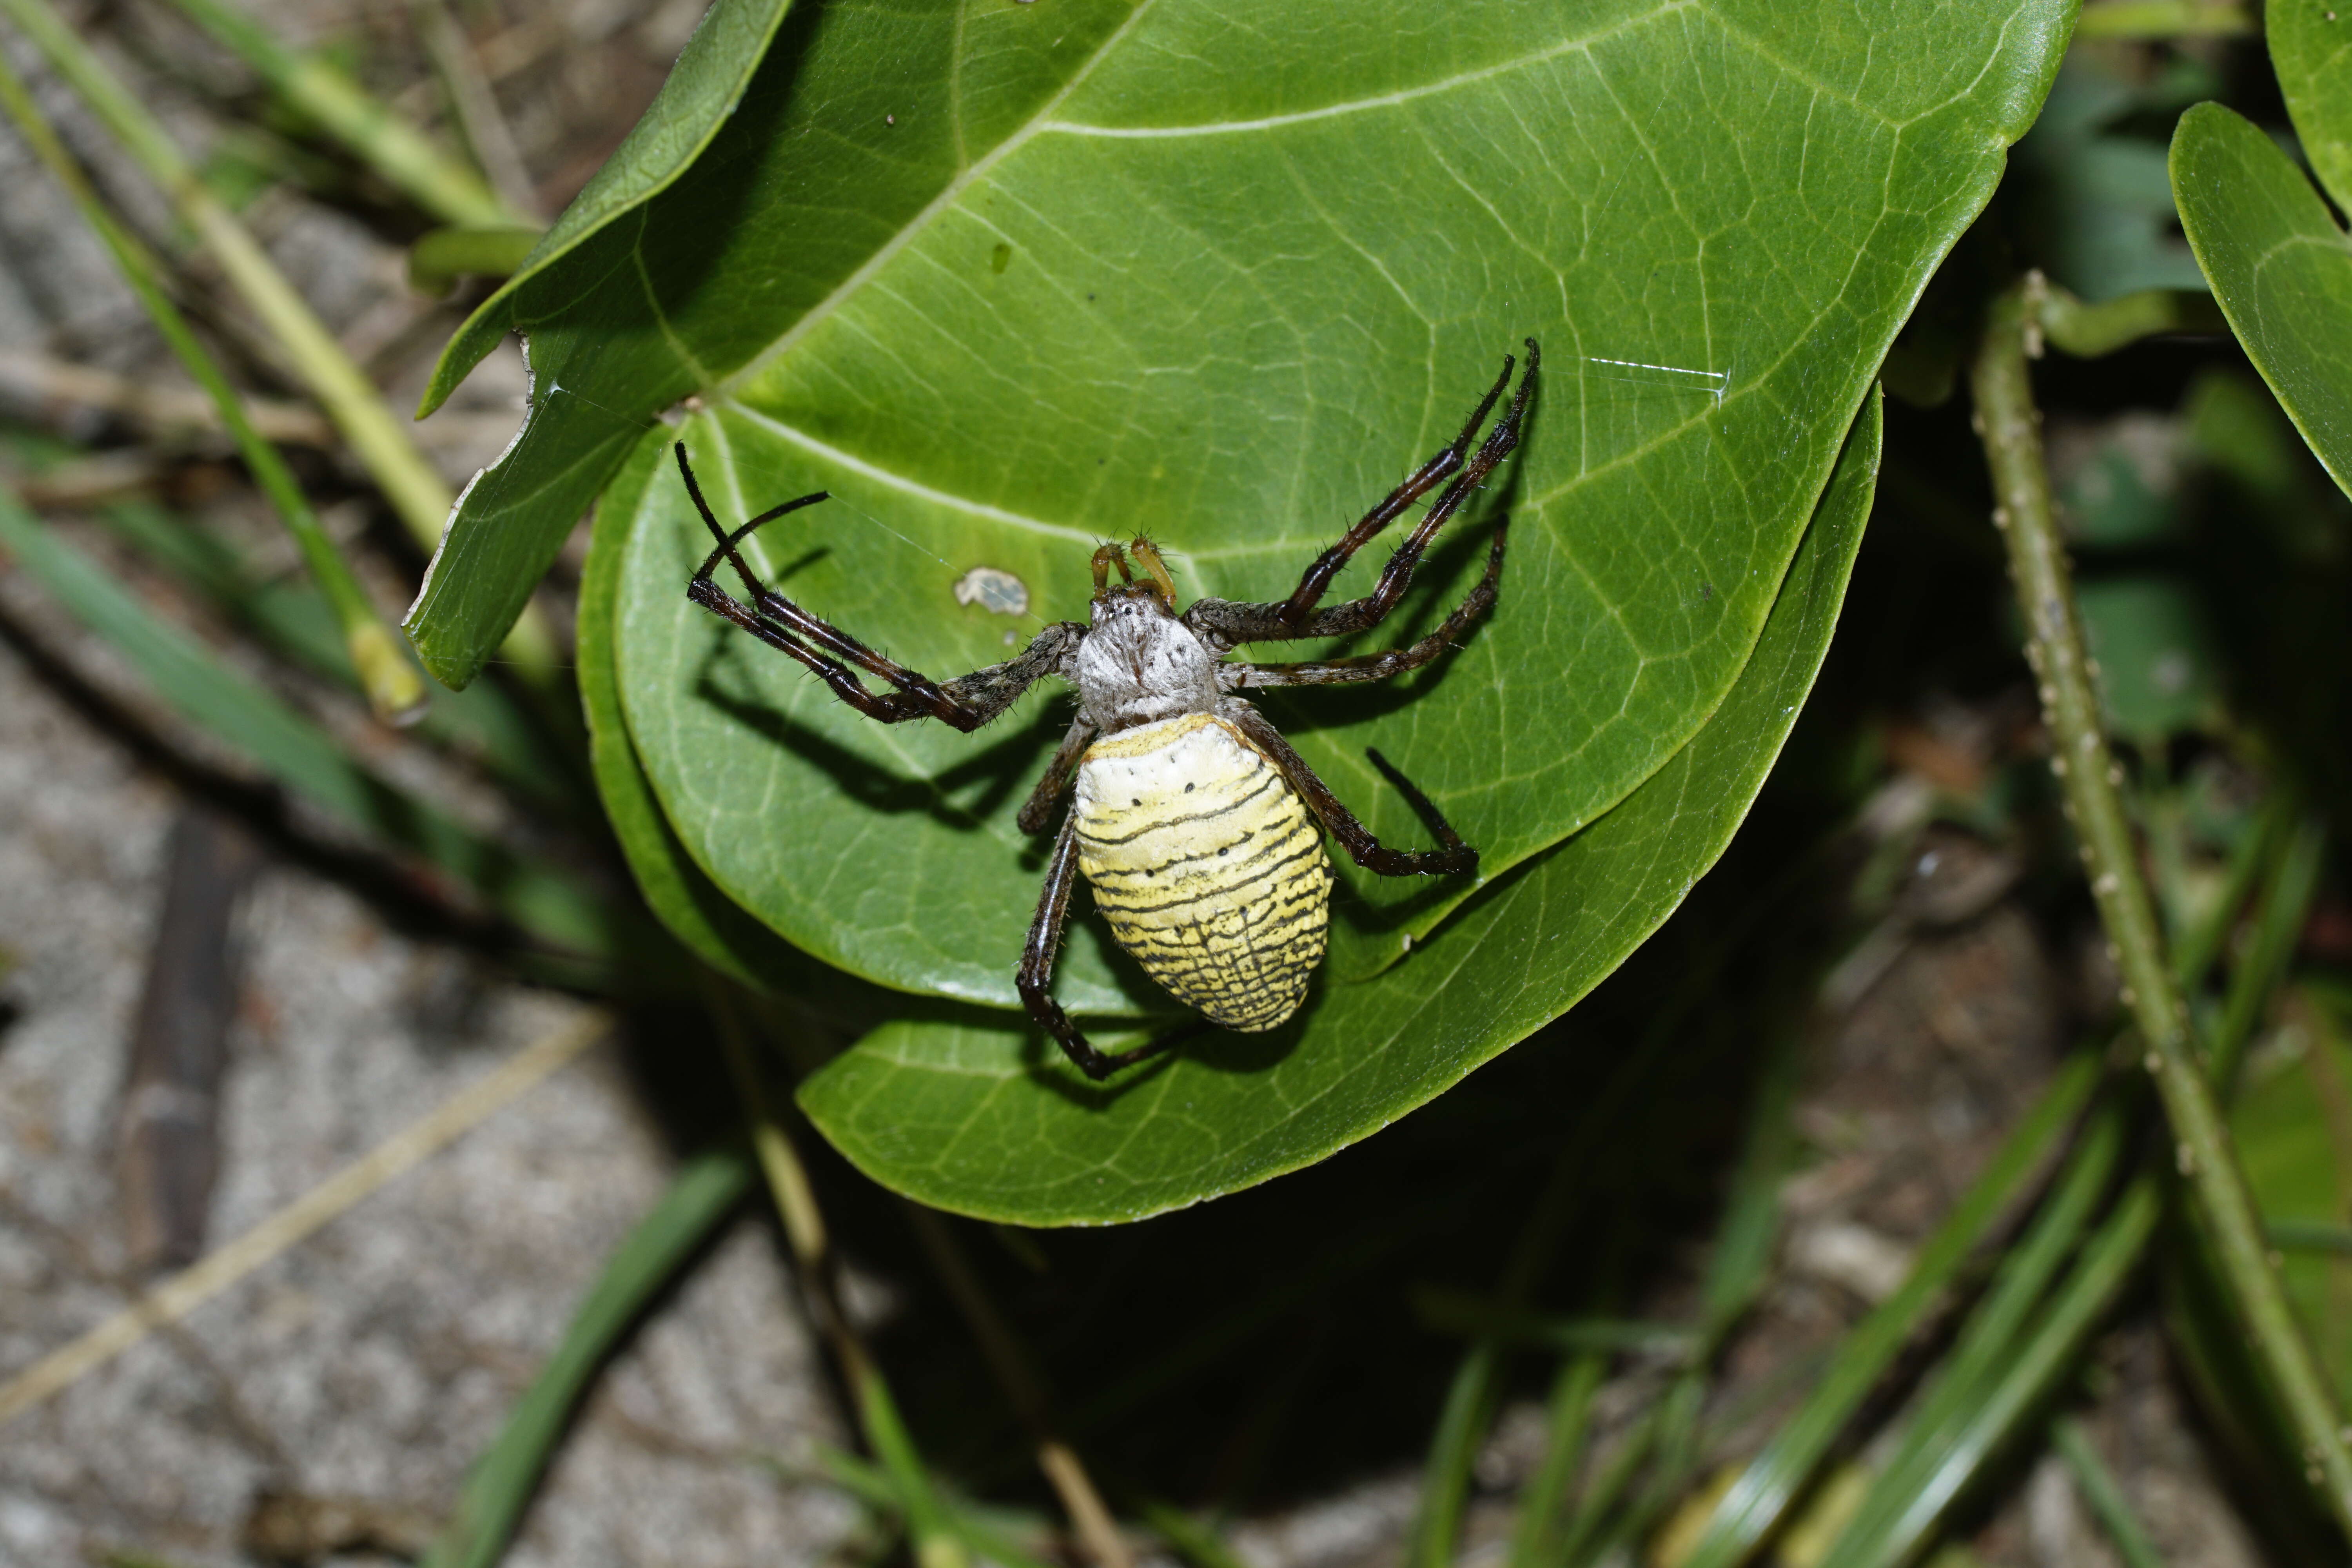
x=372, y=130
x=183, y=1292
x=168, y=1150
x=936, y=1544
x=2088, y=773
x=475, y=107
x=39, y=381
x=1016, y=1373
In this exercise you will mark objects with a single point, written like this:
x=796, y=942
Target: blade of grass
x=1988, y=1346
x=2201, y=944
x=483, y=723
x=1569, y=1422
x=2002, y=382
x=395, y=686
x=1193, y=1541
x=1760, y=1499
x=2278, y=925
x=1024, y=1386
x=415, y=491
x=500, y=1483
x=2105, y=1498
x=1959, y=1452
x=937, y=1545
x=1733, y=1272
x=367, y=128
x=874, y=1485
x=546, y=903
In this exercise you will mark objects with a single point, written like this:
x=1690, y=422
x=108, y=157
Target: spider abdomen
x=1207, y=865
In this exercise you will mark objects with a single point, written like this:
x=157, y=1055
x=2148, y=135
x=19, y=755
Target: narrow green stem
x=936, y=1544
x=2011, y=426
x=394, y=686
x=2105, y=1498
x=2278, y=925
x=366, y=127
x=2087, y=330
x=416, y=492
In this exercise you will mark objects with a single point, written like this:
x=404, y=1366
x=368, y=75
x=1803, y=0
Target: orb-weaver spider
x=1191, y=815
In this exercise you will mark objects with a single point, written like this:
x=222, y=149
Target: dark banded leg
x=1354, y=838
x=1296, y=616
x=1037, y=811
x=1035, y=978
x=1394, y=661
x=966, y=703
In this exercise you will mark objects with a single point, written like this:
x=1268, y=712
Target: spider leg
x=1036, y=973
x=1453, y=855
x=1393, y=661
x=1296, y=616
x=1038, y=809
x=965, y=702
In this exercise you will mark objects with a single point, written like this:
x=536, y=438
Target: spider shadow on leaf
x=1005, y=765
x=1189, y=1037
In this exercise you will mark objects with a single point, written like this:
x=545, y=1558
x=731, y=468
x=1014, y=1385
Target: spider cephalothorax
x=1192, y=818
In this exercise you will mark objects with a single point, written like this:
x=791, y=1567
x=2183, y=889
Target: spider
x=1191, y=814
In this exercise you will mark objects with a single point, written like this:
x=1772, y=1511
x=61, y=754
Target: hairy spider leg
x=1359, y=667
x=1037, y=811
x=1296, y=617
x=966, y=703
x=1035, y=977
x=1365, y=851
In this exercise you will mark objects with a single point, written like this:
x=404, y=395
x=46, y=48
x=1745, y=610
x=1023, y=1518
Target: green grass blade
x=2105, y=1498
x=547, y=903
x=2200, y=945
x=367, y=128
x=1760, y=1499
x=1469, y=1409
x=482, y=723
x=1533, y=1533
x=395, y=686
x=1978, y=1366
x=2278, y=925
x=1959, y=1453
x=501, y=1484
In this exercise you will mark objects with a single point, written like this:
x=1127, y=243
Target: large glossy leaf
x=713, y=928
x=483, y=572
x=1081, y=270
x=985, y=1118
x=2280, y=266
x=2311, y=51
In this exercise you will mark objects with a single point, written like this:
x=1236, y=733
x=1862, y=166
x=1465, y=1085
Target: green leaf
x=1142, y=270
x=2161, y=671
x=2095, y=202
x=700, y=916
x=702, y=90
x=2311, y=51
x=985, y=1118
x=2280, y=266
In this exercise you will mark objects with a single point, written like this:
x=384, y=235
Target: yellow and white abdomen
x=1207, y=865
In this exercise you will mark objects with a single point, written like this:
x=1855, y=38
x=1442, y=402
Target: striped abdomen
x=1207, y=865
